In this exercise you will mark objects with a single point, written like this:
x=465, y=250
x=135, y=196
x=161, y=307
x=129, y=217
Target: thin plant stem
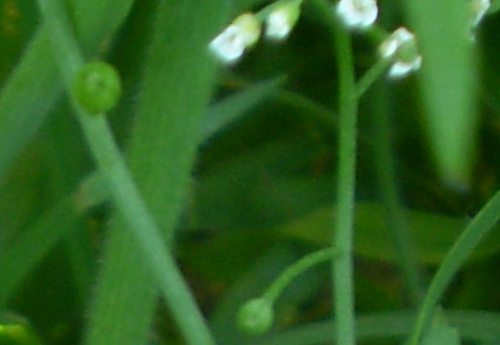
x=342, y=232
x=371, y=76
x=482, y=223
x=296, y=269
x=124, y=191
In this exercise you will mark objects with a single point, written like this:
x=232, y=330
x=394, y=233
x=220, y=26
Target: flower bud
x=282, y=19
x=357, y=14
x=402, y=48
x=256, y=316
x=97, y=87
x=231, y=43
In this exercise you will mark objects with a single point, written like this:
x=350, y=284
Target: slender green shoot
x=276, y=288
x=371, y=76
x=465, y=244
x=124, y=192
x=342, y=235
x=256, y=316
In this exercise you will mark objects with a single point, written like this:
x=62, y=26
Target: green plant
x=183, y=219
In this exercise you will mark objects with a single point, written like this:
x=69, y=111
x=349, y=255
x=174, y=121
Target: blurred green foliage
x=261, y=193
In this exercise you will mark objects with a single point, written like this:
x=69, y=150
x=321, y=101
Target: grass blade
x=177, y=86
x=33, y=79
x=442, y=28
x=28, y=250
x=464, y=245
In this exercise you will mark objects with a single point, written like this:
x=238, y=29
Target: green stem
x=292, y=272
x=124, y=192
x=371, y=76
x=482, y=223
x=342, y=233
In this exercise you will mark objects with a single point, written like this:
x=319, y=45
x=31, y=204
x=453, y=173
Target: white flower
x=390, y=46
x=281, y=20
x=357, y=14
x=401, y=47
x=231, y=43
x=401, y=69
x=479, y=9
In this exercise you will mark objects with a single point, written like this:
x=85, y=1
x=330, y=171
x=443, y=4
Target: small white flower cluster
x=280, y=18
x=401, y=48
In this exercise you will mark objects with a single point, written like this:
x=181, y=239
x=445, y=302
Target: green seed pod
x=97, y=87
x=256, y=316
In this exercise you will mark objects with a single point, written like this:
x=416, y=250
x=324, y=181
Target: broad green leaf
x=178, y=81
x=433, y=234
x=448, y=83
x=475, y=326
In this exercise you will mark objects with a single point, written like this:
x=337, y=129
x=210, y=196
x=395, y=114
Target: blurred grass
x=261, y=188
x=449, y=85
x=33, y=77
x=161, y=152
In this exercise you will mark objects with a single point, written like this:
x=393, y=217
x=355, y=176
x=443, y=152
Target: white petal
x=391, y=45
x=401, y=69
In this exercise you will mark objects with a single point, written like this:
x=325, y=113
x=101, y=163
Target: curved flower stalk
x=357, y=14
x=401, y=47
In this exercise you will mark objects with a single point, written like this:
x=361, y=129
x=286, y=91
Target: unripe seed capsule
x=97, y=87
x=256, y=316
